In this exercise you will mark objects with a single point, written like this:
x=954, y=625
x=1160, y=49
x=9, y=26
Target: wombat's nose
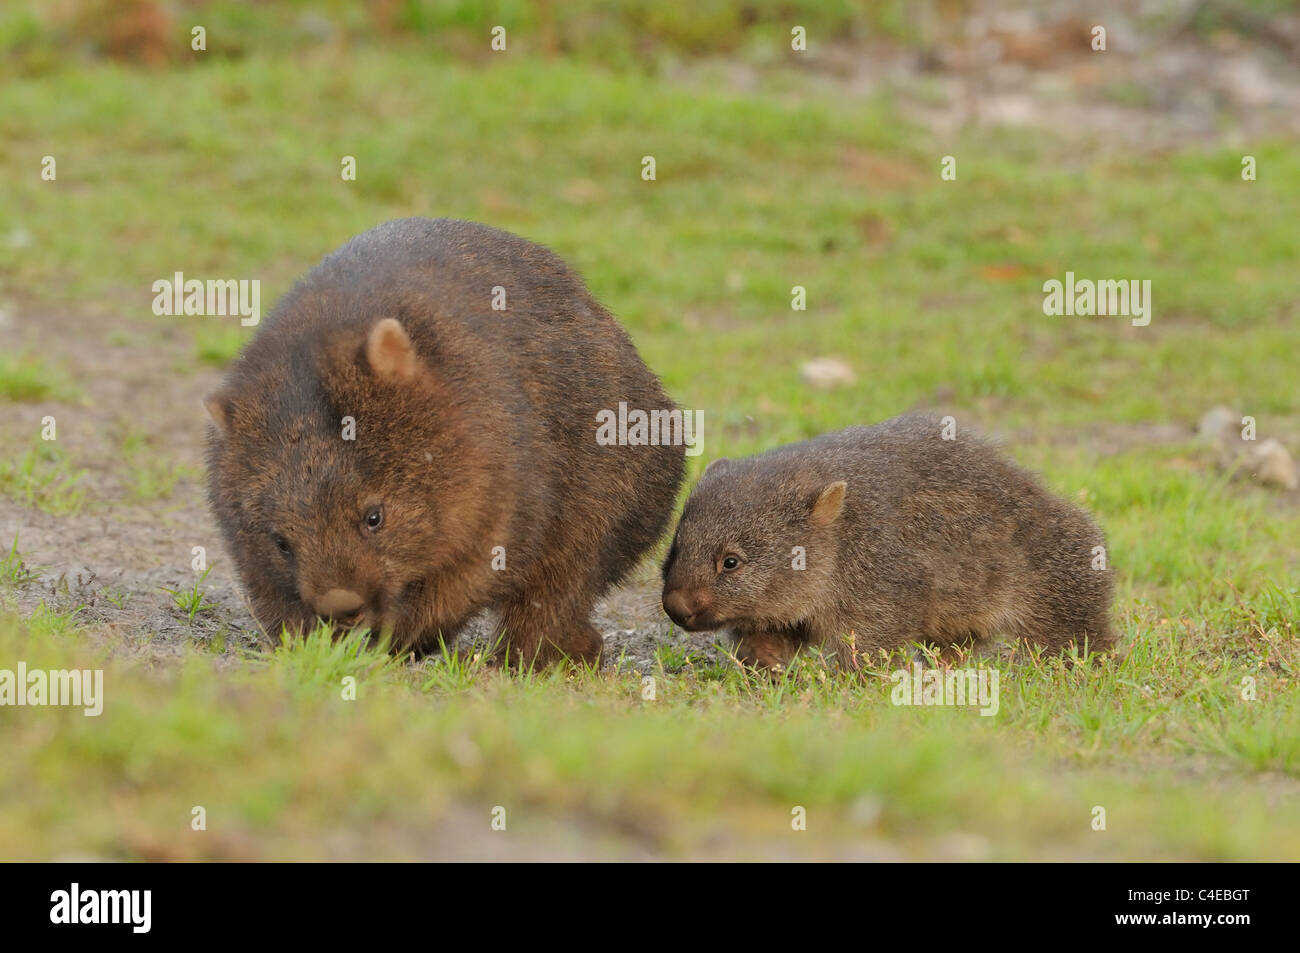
x=683, y=607
x=342, y=605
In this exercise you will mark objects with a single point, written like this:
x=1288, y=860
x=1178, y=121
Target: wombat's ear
x=219, y=408
x=714, y=463
x=828, y=504
x=389, y=351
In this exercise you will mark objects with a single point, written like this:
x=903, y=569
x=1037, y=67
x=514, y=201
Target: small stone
x=1220, y=425
x=1271, y=464
x=827, y=372
x=866, y=810
x=963, y=846
x=316, y=26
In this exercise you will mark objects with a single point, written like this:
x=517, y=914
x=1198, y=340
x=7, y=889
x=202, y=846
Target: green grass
x=1162, y=740
x=47, y=621
x=217, y=345
x=753, y=196
x=44, y=479
x=930, y=290
x=192, y=601
x=26, y=378
x=147, y=471
x=13, y=570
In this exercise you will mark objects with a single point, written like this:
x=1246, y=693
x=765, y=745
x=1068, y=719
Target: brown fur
x=475, y=428
x=936, y=541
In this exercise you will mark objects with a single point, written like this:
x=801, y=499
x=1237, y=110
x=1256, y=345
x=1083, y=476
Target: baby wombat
x=412, y=437
x=874, y=537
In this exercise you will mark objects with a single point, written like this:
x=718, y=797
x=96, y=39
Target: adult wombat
x=873, y=537
x=392, y=451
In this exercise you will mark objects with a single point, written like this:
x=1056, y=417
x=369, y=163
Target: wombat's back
x=974, y=542
x=947, y=539
x=473, y=299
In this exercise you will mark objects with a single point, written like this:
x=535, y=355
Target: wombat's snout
x=691, y=609
x=342, y=605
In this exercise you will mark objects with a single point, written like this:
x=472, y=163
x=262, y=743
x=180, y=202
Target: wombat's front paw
x=579, y=644
x=764, y=651
x=582, y=645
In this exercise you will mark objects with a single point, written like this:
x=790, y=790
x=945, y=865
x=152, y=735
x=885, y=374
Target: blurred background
x=776, y=168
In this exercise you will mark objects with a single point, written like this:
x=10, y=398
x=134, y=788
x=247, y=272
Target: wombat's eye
x=374, y=518
x=282, y=544
x=730, y=562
